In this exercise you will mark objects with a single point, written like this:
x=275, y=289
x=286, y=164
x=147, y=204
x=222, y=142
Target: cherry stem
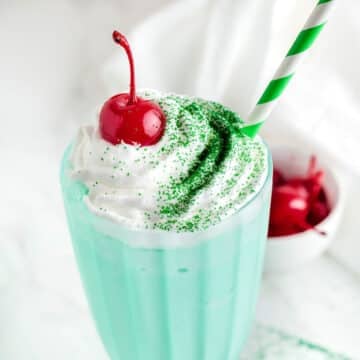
x=122, y=41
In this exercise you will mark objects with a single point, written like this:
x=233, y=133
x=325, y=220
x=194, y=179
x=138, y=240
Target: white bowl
x=288, y=252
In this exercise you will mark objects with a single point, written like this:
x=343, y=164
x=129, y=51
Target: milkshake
x=167, y=204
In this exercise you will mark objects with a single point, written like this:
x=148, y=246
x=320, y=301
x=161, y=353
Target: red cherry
x=318, y=212
x=288, y=205
x=128, y=118
x=314, y=179
x=322, y=196
x=299, y=203
x=314, y=184
x=142, y=122
x=283, y=230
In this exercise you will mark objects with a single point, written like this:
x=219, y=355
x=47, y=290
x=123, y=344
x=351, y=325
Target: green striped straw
x=286, y=71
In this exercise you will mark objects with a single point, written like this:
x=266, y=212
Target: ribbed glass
x=174, y=303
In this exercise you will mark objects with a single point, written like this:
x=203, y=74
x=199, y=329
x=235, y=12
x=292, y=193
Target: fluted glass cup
x=188, y=297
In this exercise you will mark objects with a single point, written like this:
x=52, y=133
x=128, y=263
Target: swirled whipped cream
x=202, y=170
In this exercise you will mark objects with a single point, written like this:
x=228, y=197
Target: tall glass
x=192, y=299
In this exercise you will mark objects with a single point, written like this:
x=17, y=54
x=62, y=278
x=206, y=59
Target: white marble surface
x=42, y=321
x=43, y=313
x=320, y=302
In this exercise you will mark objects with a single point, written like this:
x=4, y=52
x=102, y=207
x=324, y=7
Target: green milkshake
x=170, y=238
x=168, y=203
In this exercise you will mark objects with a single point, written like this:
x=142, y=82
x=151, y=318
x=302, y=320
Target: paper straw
x=286, y=71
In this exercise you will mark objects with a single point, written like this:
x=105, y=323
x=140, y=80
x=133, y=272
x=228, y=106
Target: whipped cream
x=200, y=172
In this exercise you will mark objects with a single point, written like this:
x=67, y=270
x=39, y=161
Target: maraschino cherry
x=298, y=203
x=128, y=118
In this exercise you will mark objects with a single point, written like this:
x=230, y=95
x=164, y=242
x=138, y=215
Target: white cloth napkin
x=228, y=51
x=214, y=49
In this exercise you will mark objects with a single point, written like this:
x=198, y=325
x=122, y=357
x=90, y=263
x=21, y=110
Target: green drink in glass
x=170, y=238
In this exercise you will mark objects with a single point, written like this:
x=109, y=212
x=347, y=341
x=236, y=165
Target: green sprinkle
x=208, y=155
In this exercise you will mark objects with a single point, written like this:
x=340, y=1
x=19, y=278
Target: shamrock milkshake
x=167, y=204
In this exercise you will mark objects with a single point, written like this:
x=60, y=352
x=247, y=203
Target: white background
x=51, y=54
